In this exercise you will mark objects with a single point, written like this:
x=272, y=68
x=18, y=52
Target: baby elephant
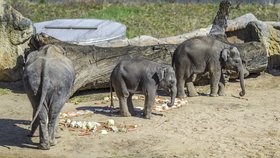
x=206, y=54
x=48, y=79
x=142, y=76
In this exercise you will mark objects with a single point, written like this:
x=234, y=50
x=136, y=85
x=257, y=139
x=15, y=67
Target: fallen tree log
x=93, y=65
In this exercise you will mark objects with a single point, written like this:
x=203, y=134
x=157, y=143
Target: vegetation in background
x=155, y=19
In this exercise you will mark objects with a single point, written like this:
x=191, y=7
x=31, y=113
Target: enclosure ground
x=226, y=126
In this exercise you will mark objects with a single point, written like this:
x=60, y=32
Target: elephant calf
x=48, y=78
x=142, y=76
x=206, y=54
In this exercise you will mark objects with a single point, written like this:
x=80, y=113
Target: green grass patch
x=155, y=19
x=4, y=91
x=87, y=98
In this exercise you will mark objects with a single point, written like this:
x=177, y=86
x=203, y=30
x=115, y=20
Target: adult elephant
x=205, y=54
x=48, y=78
x=137, y=75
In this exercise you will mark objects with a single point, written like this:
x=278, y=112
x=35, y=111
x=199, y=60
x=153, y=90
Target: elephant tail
x=173, y=59
x=44, y=90
x=111, y=92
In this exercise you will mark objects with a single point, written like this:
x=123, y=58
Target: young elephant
x=48, y=78
x=141, y=76
x=205, y=54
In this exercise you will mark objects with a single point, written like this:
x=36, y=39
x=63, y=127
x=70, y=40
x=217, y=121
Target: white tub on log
x=82, y=31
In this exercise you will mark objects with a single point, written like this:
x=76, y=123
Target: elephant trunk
x=173, y=95
x=242, y=84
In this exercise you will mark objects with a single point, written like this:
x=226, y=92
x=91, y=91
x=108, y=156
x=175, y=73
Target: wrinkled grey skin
x=205, y=54
x=142, y=76
x=48, y=78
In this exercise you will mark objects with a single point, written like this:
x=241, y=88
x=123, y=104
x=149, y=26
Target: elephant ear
x=225, y=54
x=161, y=73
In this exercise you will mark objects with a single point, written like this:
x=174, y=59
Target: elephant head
x=232, y=60
x=167, y=81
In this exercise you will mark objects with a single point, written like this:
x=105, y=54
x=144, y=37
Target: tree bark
x=93, y=65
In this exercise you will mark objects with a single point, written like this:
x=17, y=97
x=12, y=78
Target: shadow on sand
x=12, y=135
x=114, y=112
x=15, y=87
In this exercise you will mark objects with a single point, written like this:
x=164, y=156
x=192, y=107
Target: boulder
x=144, y=41
x=15, y=32
x=270, y=37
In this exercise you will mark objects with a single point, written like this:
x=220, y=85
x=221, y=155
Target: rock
x=144, y=41
x=113, y=43
x=269, y=36
x=15, y=32
x=276, y=24
x=240, y=23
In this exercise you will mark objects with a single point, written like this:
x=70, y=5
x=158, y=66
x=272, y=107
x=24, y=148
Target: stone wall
x=15, y=31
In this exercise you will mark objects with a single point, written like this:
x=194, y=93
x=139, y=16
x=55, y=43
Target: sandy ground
x=224, y=126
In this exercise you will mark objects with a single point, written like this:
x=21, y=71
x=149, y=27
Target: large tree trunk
x=93, y=65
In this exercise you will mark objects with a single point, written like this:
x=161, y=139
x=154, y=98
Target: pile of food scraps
x=159, y=100
x=75, y=113
x=89, y=127
x=162, y=107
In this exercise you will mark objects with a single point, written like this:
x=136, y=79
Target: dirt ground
x=224, y=126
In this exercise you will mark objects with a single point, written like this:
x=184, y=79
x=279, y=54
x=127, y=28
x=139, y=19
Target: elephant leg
x=130, y=105
x=36, y=122
x=191, y=89
x=53, y=116
x=222, y=85
x=180, y=87
x=123, y=106
x=122, y=94
x=44, y=134
x=149, y=102
x=34, y=128
x=214, y=78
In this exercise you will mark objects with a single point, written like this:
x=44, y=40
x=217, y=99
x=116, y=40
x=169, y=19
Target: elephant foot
x=147, y=116
x=126, y=114
x=44, y=146
x=221, y=94
x=181, y=95
x=170, y=104
x=53, y=142
x=213, y=95
x=133, y=113
x=33, y=134
x=193, y=94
